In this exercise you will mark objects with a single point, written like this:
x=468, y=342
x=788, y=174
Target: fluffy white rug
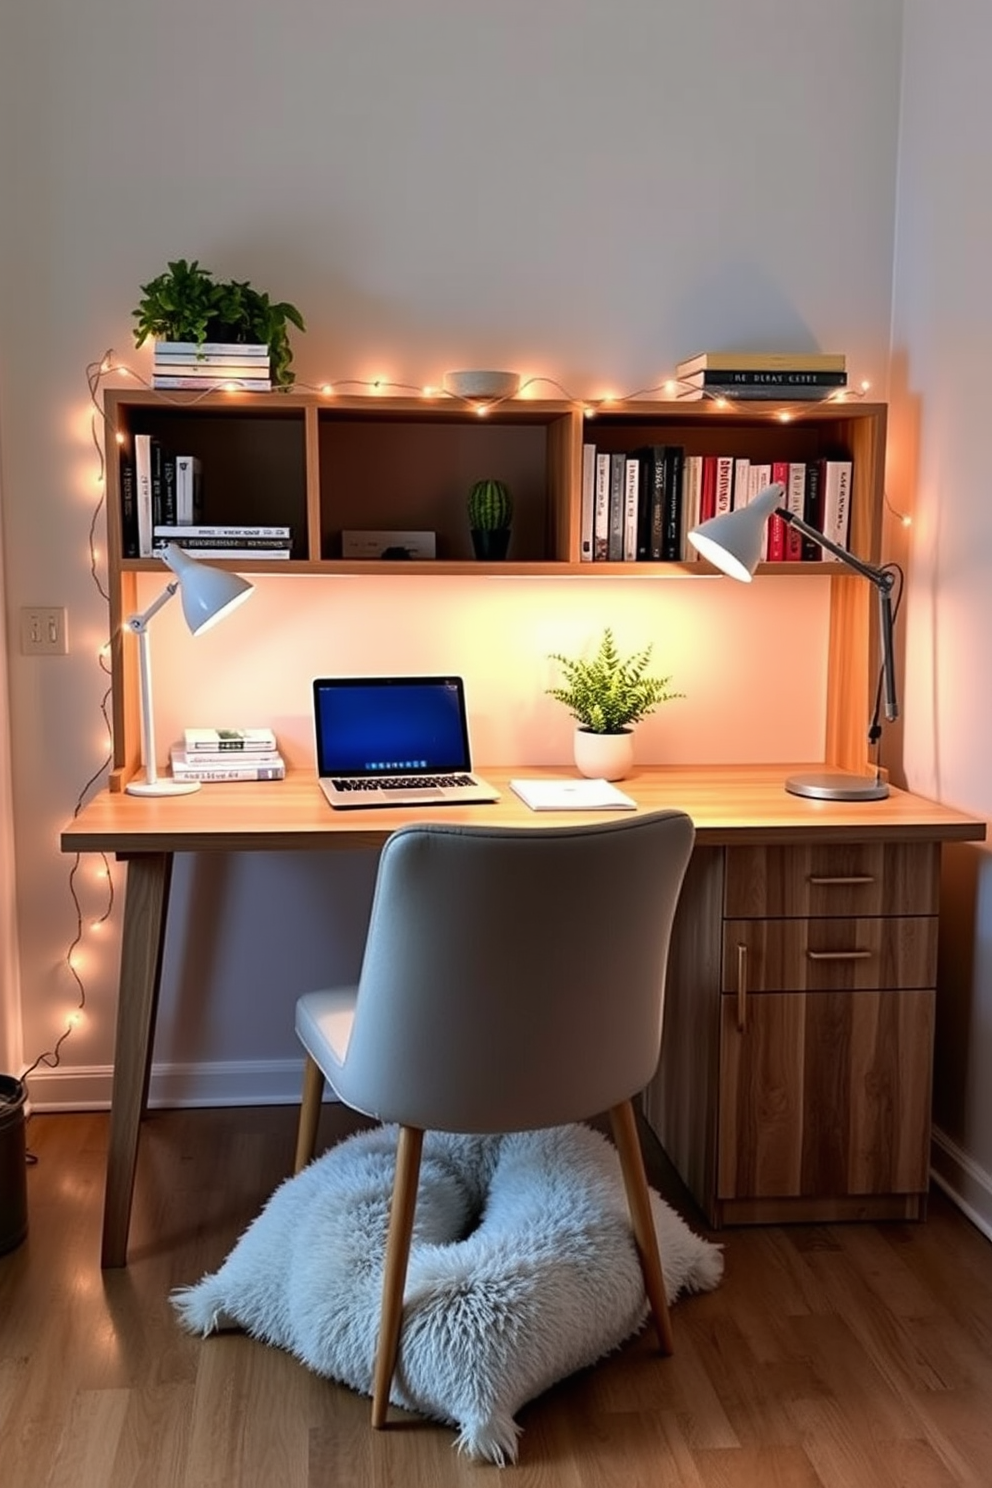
x=522, y=1270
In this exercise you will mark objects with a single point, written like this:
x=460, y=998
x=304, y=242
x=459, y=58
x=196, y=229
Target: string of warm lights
x=74, y=957
x=672, y=389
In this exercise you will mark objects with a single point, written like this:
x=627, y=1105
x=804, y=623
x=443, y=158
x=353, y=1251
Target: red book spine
x=707, y=495
x=776, y=526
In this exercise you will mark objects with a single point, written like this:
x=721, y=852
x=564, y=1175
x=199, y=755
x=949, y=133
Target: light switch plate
x=44, y=630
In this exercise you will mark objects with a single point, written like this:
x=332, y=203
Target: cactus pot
x=490, y=544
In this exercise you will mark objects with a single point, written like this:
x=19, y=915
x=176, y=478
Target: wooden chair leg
x=401, y=1213
x=306, y=1131
x=624, y=1124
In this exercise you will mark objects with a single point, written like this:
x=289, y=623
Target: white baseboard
x=271, y=1082
x=964, y=1182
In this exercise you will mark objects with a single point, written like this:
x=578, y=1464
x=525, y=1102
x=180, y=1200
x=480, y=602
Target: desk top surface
x=730, y=804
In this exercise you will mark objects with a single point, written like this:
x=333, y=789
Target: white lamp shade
x=734, y=541
x=207, y=593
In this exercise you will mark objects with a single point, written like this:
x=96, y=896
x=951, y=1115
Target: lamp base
x=165, y=787
x=837, y=785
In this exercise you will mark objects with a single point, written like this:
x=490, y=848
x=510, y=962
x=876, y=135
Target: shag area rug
x=522, y=1270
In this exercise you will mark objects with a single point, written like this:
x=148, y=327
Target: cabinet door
x=825, y=1093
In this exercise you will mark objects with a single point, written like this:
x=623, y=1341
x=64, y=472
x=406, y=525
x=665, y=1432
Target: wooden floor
x=848, y=1357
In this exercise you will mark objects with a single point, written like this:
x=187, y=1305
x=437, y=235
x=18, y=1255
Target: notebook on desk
x=394, y=741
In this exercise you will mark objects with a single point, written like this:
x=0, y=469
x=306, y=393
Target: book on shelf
x=651, y=535
x=588, y=508
x=757, y=386
x=222, y=531
x=759, y=477
x=572, y=795
x=204, y=350
x=723, y=496
x=694, y=392
x=282, y=552
x=229, y=740
x=143, y=492
x=189, y=490
x=618, y=464
x=761, y=361
x=835, y=503
x=129, y=510
x=812, y=516
x=189, y=366
x=601, y=511
x=776, y=525
x=166, y=382
x=742, y=481
x=236, y=767
x=692, y=481
x=794, y=502
x=671, y=550
x=632, y=472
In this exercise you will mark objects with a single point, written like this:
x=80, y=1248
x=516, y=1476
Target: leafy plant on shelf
x=188, y=304
x=609, y=694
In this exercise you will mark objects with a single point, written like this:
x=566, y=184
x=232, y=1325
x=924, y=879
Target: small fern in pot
x=607, y=696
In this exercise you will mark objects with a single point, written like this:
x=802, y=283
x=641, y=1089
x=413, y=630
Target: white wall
x=582, y=191
x=942, y=335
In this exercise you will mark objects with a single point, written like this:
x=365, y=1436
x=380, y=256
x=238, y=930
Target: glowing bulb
x=230, y=387
x=482, y=409
x=429, y=392
x=327, y=390
x=124, y=371
x=589, y=411
x=865, y=385
x=101, y=872
x=670, y=387
x=784, y=416
x=907, y=521
x=721, y=403
x=75, y=1018
x=119, y=437
x=96, y=925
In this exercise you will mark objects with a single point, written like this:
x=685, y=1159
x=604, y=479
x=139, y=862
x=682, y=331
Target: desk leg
x=145, y=904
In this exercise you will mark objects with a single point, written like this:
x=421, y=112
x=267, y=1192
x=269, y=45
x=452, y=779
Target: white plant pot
x=604, y=756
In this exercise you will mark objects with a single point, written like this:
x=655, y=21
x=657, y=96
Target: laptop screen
x=390, y=725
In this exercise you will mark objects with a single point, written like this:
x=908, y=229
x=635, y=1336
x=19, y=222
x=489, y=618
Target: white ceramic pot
x=604, y=756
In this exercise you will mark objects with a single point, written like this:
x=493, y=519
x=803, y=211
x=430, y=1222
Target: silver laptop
x=394, y=741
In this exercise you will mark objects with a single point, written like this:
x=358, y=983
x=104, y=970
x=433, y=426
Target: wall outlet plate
x=44, y=630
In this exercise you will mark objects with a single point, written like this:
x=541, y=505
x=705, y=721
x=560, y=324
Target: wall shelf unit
x=323, y=464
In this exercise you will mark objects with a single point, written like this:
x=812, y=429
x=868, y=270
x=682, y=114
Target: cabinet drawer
x=829, y=954
x=845, y=879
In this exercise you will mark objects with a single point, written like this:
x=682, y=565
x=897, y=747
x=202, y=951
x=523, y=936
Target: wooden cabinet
x=795, y=1076
x=322, y=465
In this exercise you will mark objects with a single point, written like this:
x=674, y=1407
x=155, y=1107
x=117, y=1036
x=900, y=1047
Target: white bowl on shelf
x=482, y=384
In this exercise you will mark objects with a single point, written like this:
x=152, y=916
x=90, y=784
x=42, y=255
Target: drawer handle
x=742, y=988
x=841, y=878
x=839, y=955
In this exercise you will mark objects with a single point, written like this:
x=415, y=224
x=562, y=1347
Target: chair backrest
x=514, y=977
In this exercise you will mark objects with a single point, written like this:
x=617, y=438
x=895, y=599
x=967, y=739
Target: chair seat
x=323, y=1025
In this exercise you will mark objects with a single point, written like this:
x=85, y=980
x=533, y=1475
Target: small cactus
x=490, y=506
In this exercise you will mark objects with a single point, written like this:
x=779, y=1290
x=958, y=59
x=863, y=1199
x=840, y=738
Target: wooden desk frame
x=730, y=805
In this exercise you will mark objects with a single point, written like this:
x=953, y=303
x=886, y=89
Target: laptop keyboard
x=404, y=782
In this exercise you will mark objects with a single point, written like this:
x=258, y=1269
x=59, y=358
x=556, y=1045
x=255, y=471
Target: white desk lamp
x=733, y=542
x=208, y=594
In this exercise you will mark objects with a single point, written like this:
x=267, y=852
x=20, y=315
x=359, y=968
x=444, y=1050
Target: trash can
x=13, y=1164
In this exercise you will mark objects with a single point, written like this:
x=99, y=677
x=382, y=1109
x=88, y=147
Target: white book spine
x=143, y=492
x=587, y=514
x=836, y=503
x=742, y=477
x=187, y=477
x=632, y=473
x=203, y=384
x=759, y=477
x=692, y=486
x=601, y=521
x=795, y=501
x=218, y=532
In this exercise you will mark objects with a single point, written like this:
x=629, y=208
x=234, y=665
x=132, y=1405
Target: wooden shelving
x=324, y=464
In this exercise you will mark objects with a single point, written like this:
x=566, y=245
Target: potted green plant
x=607, y=696
x=490, y=512
x=187, y=304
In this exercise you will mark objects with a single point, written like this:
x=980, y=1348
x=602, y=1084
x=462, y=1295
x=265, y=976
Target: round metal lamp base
x=165, y=787
x=837, y=785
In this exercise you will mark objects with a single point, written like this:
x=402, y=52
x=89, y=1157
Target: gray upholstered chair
x=513, y=979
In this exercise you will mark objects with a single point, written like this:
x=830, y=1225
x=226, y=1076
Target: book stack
x=760, y=376
x=227, y=754
x=201, y=366
x=231, y=541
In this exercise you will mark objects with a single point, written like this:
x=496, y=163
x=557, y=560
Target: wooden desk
x=744, y=807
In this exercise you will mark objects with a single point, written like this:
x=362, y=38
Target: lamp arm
x=883, y=581
x=138, y=624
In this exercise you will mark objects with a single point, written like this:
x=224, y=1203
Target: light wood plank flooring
x=831, y=1357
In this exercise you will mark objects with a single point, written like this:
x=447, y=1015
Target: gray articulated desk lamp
x=208, y=594
x=733, y=543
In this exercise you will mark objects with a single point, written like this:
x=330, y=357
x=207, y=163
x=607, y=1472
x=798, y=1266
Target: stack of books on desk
x=762, y=375
x=227, y=754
